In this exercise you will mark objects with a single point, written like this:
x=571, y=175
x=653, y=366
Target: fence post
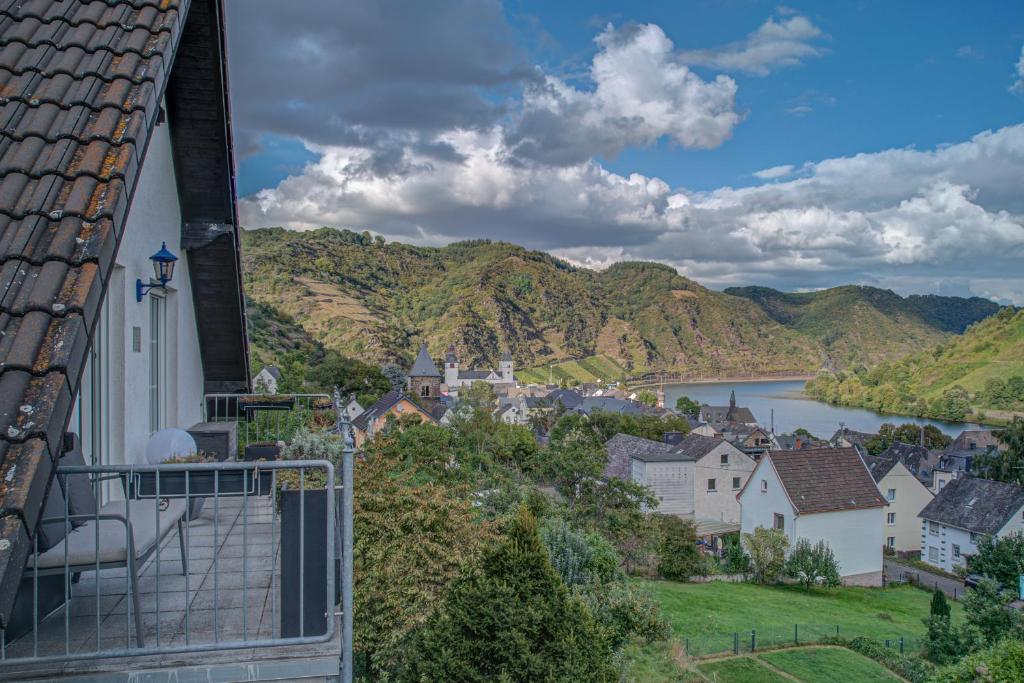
x=796, y=634
x=735, y=643
x=837, y=630
x=686, y=646
x=753, y=639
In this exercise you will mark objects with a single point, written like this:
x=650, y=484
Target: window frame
x=779, y=522
x=712, y=485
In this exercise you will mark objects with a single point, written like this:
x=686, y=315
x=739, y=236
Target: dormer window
x=425, y=391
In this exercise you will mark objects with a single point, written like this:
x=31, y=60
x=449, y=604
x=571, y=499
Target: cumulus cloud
x=896, y=215
x=775, y=172
x=1018, y=84
x=774, y=45
x=640, y=94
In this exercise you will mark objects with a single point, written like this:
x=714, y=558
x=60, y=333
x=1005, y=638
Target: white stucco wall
x=758, y=507
x=721, y=505
x=154, y=217
x=671, y=482
x=910, y=498
x=855, y=537
x=937, y=548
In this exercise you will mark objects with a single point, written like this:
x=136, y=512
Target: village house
x=905, y=496
x=265, y=381
x=456, y=377
x=720, y=416
x=392, y=406
x=848, y=438
x=824, y=494
x=963, y=512
x=694, y=477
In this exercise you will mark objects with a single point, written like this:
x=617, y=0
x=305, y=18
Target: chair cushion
x=147, y=527
x=78, y=487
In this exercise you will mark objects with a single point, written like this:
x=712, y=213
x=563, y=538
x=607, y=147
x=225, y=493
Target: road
x=953, y=588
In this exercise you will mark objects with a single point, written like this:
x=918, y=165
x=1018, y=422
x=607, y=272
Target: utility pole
x=348, y=452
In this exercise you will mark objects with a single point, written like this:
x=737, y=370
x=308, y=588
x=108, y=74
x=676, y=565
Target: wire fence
x=770, y=636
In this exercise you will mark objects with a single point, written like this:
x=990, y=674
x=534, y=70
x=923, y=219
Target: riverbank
x=742, y=379
x=782, y=404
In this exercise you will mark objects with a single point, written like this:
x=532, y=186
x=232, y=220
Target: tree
x=888, y=434
x=395, y=375
x=736, y=560
x=1008, y=464
x=1001, y=662
x=410, y=541
x=648, y=398
x=1001, y=559
x=617, y=509
x=687, y=406
x=767, y=550
x=678, y=555
x=811, y=564
x=479, y=396
x=939, y=606
x=511, y=618
x=985, y=607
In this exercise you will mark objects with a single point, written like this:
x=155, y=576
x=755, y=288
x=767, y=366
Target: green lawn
x=829, y=665
x=707, y=614
x=655, y=663
x=740, y=670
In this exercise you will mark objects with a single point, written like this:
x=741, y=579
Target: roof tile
x=826, y=480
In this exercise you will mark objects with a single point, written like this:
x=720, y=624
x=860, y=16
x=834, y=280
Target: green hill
x=374, y=301
x=981, y=371
x=851, y=320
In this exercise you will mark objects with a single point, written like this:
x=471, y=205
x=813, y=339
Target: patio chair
x=118, y=534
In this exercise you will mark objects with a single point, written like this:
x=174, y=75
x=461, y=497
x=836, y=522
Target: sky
x=795, y=146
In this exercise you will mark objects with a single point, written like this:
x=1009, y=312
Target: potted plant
x=249, y=404
x=262, y=450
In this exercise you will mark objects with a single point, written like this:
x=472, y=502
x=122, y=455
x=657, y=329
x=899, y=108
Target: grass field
x=706, y=615
x=590, y=369
x=741, y=670
x=828, y=665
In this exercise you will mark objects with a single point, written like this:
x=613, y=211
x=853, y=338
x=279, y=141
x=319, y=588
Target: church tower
x=451, y=369
x=424, y=379
x=505, y=368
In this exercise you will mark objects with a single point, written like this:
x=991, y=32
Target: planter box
x=315, y=609
x=200, y=483
x=258, y=451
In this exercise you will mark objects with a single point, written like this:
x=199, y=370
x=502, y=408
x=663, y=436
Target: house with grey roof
x=963, y=512
x=693, y=476
x=897, y=474
x=721, y=417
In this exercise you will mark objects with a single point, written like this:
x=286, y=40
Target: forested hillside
x=980, y=373
x=367, y=299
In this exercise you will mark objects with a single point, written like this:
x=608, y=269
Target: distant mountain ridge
x=375, y=301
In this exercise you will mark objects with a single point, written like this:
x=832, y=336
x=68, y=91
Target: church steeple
x=732, y=400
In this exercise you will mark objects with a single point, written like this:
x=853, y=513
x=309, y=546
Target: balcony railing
x=269, y=417
x=186, y=558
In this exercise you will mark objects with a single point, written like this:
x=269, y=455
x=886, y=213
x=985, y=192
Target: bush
x=945, y=643
x=767, y=550
x=625, y=612
x=811, y=564
x=1004, y=661
x=912, y=669
x=307, y=445
x=578, y=556
x=679, y=558
x=736, y=561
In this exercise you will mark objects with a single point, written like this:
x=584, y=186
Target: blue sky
x=603, y=131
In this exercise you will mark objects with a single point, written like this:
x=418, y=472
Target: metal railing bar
x=216, y=554
x=302, y=551
x=245, y=560
x=159, y=542
x=67, y=575
x=188, y=523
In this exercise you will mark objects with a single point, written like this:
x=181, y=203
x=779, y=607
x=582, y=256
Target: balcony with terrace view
x=206, y=564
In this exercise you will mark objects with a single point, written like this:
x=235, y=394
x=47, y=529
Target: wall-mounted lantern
x=163, y=270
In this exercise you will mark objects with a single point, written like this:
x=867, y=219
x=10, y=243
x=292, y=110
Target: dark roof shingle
x=979, y=505
x=826, y=480
x=80, y=89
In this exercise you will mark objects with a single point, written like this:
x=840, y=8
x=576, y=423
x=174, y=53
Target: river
x=793, y=409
